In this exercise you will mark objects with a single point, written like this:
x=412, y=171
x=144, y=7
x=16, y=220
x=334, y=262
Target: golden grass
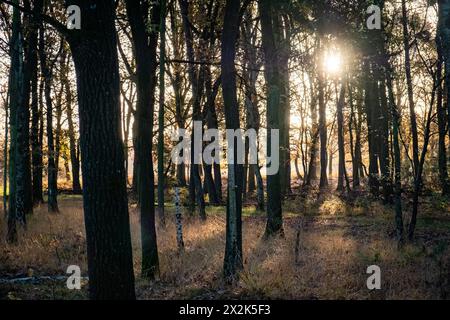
x=335, y=247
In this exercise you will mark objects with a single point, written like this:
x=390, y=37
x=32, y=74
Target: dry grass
x=337, y=242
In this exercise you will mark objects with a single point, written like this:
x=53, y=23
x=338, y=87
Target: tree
x=73, y=139
x=145, y=43
x=322, y=126
x=47, y=72
x=24, y=200
x=109, y=253
x=162, y=71
x=397, y=157
x=233, y=247
x=416, y=162
x=196, y=78
x=176, y=79
x=15, y=82
x=340, y=120
x=312, y=168
x=36, y=142
x=251, y=103
x=443, y=34
x=272, y=72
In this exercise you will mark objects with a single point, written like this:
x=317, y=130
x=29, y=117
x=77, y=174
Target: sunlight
x=295, y=120
x=333, y=62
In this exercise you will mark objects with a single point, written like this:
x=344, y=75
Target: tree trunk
x=384, y=120
x=413, y=121
x=251, y=101
x=284, y=55
x=58, y=129
x=24, y=201
x=354, y=143
x=176, y=79
x=312, y=168
x=270, y=28
x=397, y=159
x=370, y=101
x=197, y=82
x=211, y=122
x=233, y=248
x=341, y=145
x=109, y=253
x=73, y=144
x=162, y=88
x=322, y=131
x=162, y=71
x=52, y=171
x=444, y=35
x=146, y=64
x=14, y=87
x=442, y=32
x=36, y=146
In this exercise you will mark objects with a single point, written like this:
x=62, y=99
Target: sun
x=333, y=62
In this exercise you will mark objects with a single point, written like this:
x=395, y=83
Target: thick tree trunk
x=109, y=252
x=23, y=161
x=146, y=64
x=233, y=248
x=270, y=29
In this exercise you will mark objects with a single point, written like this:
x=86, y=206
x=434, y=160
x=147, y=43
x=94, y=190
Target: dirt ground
x=328, y=245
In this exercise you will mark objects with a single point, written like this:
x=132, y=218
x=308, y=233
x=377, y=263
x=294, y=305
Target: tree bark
x=233, y=248
x=312, y=168
x=270, y=29
x=73, y=141
x=36, y=145
x=322, y=131
x=145, y=44
x=14, y=87
x=443, y=35
x=196, y=77
x=162, y=71
x=109, y=252
x=52, y=171
x=341, y=145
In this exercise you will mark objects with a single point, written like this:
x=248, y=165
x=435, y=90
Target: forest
x=225, y=149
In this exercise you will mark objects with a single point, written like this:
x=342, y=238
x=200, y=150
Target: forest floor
x=329, y=242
